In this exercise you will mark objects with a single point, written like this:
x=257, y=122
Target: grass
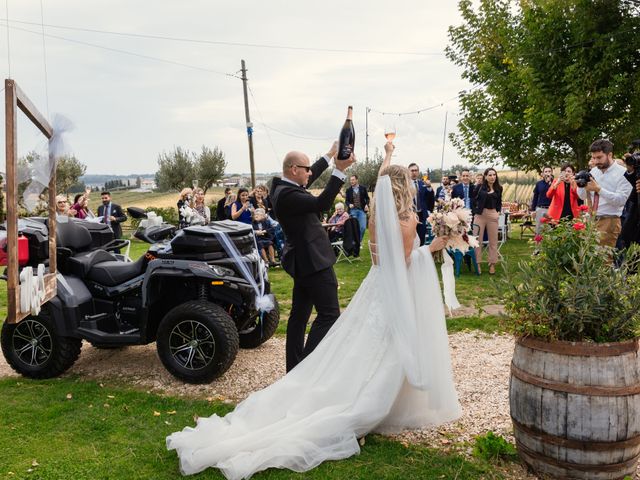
x=112, y=433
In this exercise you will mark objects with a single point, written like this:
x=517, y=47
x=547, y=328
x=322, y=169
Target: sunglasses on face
x=306, y=168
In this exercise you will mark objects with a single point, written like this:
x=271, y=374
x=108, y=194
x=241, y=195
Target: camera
x=582, y=178
x=633, y=160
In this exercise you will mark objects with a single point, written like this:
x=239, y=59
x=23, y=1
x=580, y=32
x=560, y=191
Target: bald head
x=295, y=167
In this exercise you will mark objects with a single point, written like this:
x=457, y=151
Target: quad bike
x=186, y=293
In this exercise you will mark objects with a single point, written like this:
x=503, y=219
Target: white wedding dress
x=383, y=367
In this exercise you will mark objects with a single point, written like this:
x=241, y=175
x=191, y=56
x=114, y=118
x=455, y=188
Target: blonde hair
x=185, y=191
x=402, y=188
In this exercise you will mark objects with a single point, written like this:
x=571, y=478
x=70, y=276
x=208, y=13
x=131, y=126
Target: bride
x=383, y=367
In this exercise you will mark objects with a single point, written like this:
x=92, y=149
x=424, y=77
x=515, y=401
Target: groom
x=307, y=255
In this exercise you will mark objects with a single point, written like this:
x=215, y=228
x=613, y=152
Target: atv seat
x=111, y=273
x=82, y=263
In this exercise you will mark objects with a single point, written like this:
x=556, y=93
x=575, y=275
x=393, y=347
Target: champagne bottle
x=347, y=139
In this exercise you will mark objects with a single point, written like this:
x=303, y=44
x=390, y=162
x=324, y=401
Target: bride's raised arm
x=388, y=149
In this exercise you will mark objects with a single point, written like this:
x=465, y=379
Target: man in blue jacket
x=540, y=203
x=423, y=202
x=464, y=189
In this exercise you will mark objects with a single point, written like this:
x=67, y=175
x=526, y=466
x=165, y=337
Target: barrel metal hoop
x=576, y=444
x=609, y=467
x=594, y=390
x=580, y=349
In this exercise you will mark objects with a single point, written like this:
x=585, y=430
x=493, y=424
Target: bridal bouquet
x=452, y=220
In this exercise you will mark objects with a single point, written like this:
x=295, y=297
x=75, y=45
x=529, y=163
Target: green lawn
x=69, y=428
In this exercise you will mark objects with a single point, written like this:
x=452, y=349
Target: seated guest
x=265, y=236
x=231, y=199
x=184, y=206
x=220, y=215
x=563, y=194
x=259, y=199
x=62, y=207
x=202, y=214
x=338, y=219
x=241, y=208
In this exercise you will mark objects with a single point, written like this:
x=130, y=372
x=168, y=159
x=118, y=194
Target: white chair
x=342, y=254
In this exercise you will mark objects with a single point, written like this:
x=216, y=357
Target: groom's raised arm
x=299, y=202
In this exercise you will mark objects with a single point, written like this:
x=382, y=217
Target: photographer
x=540, y=203
x=631, y=219
x=607, y=190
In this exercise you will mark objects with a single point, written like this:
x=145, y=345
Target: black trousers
x=421, y=228
x=320, y=290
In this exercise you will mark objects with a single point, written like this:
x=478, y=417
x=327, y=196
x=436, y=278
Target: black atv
x=186, y=294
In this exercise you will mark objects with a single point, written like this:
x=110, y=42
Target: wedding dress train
x=383, y=367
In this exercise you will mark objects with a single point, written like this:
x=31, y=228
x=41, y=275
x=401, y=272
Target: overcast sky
x=127, y=109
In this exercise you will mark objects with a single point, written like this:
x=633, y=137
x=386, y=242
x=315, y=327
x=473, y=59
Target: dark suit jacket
x=116, y=211
x=220, y=215
x=307, y=249
x=481, y=198
x=458, y=192
x=362, y=193
x=425, y=197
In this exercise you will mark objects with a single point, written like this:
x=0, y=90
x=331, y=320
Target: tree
x=176, y=170
x=209, y=167
x=549, y=78
x=68, y=170
x=138, y=182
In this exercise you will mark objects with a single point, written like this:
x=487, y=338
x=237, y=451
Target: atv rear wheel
x=34, y=349
x=197, y=341
x=261, y=329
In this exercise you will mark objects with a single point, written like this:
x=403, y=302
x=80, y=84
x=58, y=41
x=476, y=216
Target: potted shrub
x=575, y=376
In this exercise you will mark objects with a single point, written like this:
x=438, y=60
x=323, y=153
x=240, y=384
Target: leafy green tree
x=209, y=167
x=176, y=170
x=68, y=170
x=549, y=77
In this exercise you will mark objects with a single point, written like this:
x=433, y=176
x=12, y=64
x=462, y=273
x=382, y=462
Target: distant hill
x=100, y=179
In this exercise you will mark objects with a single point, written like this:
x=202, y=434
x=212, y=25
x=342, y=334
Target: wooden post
x=249, y=125
x=14, y=99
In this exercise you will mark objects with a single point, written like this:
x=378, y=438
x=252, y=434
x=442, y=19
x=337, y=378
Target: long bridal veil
x=414, y=309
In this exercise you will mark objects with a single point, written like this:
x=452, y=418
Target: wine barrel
x=575, y=407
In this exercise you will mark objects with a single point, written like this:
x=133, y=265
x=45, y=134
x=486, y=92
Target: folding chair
x=338, y=246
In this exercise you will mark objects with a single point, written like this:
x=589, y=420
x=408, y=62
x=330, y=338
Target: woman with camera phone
x=487, y=206
x=563, y=194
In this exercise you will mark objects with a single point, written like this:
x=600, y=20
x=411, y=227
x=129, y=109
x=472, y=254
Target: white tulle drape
x=373, y=372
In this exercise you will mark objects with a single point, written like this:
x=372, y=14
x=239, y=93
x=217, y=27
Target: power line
x=262, y=122
x=440, y=104
x=237, y=44
x=125, y=52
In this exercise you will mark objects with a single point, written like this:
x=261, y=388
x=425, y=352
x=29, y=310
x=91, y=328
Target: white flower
x=451, y=220
x=473, y=241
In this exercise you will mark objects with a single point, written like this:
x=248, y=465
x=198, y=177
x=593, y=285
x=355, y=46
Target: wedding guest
x=337, y=219
x=479, y=180
x=423, y=200
x=81, y=205
x=358, y=201
x=112, y=215
x=241, y=208
x=184, y=202
x=220, y=215
x=563, y=194
x=488, y=203
x=265, y=235
x=444, y=191
x=62, y=207
x=464, y=189
x=259, y=199
x=202, y=212
x=540, y=203
x=231, y=199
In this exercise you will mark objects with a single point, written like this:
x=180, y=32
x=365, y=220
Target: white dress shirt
x=614, y=190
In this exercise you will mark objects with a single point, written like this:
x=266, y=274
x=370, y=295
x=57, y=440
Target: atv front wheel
x=197, y=341
x=34, y=349
x=261, y=328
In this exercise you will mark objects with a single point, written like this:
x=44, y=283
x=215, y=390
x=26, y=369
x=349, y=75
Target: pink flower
x=579, y=226
x=583, y=208
x=537, y=238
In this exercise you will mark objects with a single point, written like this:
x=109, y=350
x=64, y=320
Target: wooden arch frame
x=14, y=99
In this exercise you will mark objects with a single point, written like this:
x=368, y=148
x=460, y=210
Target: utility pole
x=444, y=138
x=249, y=124
x=366, y=135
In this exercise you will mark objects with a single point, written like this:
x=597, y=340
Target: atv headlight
x=222, y=271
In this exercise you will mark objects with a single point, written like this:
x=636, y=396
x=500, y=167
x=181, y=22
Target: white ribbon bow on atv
x=264, y=303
